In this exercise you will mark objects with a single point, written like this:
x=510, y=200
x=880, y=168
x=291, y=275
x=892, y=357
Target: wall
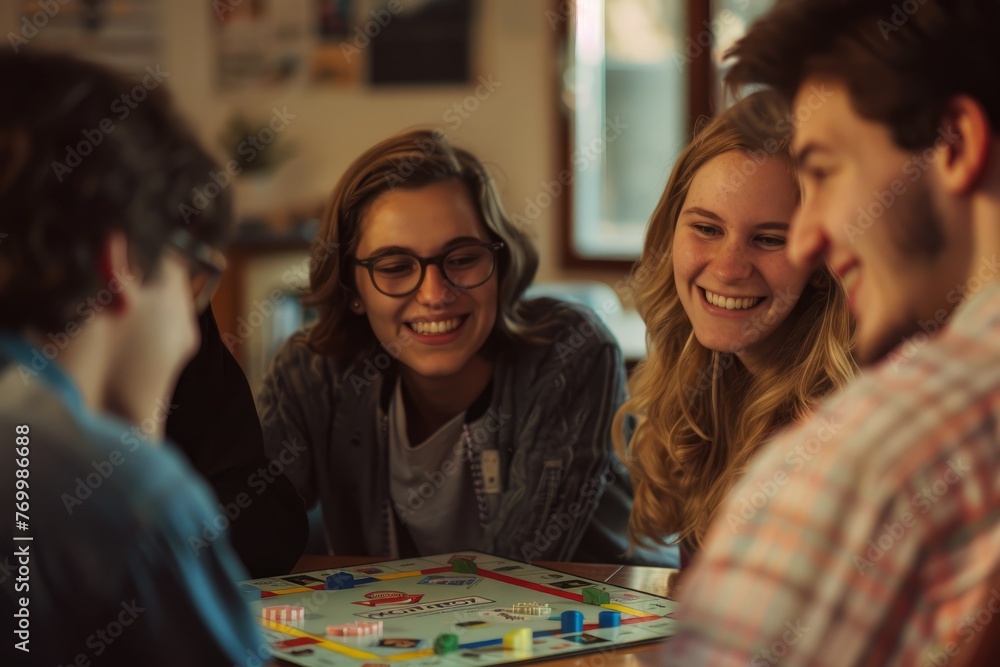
x=513, y=128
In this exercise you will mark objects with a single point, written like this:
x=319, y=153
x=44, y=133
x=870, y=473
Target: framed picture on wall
x=123, y=34
x=424, y=42
x=259, y=42
x=322, y=42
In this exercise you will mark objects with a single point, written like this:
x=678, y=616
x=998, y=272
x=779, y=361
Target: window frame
x=701, y=87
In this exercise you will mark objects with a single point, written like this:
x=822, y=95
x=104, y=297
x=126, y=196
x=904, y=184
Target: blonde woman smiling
x=741, y=342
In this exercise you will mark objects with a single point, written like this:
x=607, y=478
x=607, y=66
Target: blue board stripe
x=494, y=642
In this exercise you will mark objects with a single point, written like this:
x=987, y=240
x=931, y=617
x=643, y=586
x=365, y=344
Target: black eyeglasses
x=402, y=273
x=206, y=263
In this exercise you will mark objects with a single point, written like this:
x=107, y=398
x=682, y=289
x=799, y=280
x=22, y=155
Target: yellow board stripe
x=289, y=591
x=412, y=655
x=325, y=643
x=628, y=610
x=395, y=575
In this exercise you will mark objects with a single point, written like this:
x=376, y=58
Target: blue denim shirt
x=121, y=568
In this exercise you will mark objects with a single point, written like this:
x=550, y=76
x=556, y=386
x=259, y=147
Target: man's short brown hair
x=901, y=60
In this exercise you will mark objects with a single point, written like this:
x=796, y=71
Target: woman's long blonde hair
x=701, y=415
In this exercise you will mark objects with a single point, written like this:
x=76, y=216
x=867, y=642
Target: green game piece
x=594, y=596
x=464, y=565
x=446, y=643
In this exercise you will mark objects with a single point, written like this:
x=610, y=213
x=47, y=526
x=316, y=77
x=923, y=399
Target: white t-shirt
x=431, y=484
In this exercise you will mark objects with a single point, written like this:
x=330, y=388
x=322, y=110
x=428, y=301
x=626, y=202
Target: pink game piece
x=356, y=629
x=284, y=612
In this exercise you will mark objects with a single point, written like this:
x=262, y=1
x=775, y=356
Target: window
x=638, y=74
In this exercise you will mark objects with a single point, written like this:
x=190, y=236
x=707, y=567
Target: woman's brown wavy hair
x=409, y=160
x=700, y=414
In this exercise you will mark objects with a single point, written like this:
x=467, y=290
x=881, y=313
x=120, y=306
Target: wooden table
x=656, y=580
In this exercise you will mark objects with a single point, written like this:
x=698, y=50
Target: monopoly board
x=450, y=610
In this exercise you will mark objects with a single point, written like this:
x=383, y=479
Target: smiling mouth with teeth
x=440, y=327
x=731, y=303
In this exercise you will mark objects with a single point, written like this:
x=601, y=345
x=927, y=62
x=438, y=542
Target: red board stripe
x=298, y=641
x=541, y=588
x=642, y=619
x=576, y=597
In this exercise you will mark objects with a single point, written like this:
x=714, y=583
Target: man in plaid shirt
x=870, y=535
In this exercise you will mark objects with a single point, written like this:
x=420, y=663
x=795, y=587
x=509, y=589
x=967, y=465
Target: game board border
x=584, y=651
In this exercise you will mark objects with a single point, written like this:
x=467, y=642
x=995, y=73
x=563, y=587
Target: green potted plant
x=254, y=150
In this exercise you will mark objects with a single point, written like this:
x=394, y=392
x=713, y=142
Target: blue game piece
x=339, y=581
x=572, y=621
x=610, y=619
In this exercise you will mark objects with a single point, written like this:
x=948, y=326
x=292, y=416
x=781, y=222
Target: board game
x=450, y=610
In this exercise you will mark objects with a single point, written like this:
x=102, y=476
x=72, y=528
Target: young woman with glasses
x=430, y=408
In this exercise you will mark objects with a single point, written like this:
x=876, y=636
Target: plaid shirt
x=869, y=535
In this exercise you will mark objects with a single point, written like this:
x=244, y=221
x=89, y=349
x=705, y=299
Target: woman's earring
x=357, y=307
x=820, y=280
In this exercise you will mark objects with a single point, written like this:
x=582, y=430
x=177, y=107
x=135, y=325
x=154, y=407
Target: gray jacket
x=548, y=419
